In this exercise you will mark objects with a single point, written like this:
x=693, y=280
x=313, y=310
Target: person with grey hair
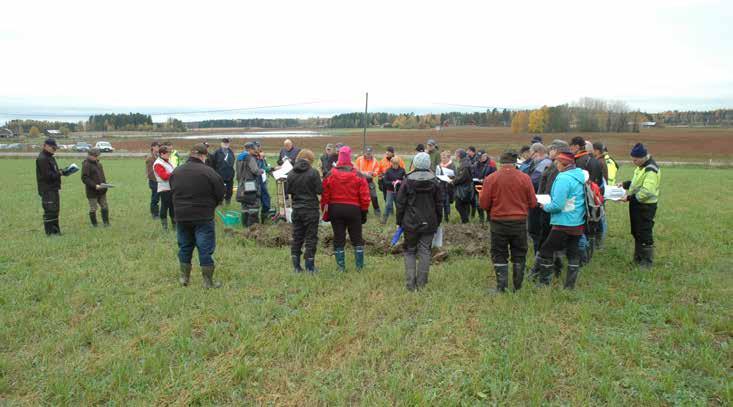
x=463, y=185
x=419, y=213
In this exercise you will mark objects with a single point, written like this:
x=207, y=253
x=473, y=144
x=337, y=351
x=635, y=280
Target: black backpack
x=420, y=215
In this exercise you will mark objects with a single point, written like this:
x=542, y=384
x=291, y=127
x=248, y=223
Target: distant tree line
x=231, y=123
x=720, y=117
x=25, y=126
x=122, y=121
x=491, y=117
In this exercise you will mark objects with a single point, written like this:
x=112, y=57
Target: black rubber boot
x=296, y=263
x=502, y=278
x=573, y=271
x=557, y=264
x=93, y=218
x=185, y=274
x=646, y=254
x=546, y=270
x=637, y=253
x=310, y=266
x=164, y=223
x=208, y=274
x=518, y=275
x=105, y=217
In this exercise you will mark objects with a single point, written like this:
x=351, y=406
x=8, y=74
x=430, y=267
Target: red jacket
x=344, y=186
x=507, y=194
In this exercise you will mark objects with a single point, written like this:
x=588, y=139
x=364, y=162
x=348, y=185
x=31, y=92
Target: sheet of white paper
x=447, y=172
x=444, y=178
x=264, y=177
x=614, y=193
x=543, y=199
x=283, y=171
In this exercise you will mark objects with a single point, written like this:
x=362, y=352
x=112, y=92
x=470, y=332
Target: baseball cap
x=50, y=142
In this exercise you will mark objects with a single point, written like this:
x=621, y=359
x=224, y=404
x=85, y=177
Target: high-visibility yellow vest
x=645, y=184
x=612, y=169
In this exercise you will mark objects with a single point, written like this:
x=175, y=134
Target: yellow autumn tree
x=539, y=119
x=520, y=122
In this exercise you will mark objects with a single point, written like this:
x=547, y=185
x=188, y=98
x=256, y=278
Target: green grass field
x=97, y=317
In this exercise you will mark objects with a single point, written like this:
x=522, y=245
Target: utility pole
x=366, y=109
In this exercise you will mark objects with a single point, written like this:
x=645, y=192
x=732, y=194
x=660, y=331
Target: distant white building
x=53, y=133
x=6, y=132
x=649, y=124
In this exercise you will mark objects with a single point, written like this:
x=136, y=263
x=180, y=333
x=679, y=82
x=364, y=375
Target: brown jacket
x=507, y=194
x=92, y=174
x=149, y=160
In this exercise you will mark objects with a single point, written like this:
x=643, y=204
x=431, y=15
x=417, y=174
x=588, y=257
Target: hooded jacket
x=420, y=203
x=197, y=189
x=92, y=174
x=344, y=186
x=567, y=206
x=223, y=163
x=247, y=167
x=304, y=186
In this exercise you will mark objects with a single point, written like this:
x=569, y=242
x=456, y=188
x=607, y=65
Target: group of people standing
x=573, y=174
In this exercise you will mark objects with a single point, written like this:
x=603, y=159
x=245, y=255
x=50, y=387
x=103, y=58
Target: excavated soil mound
x=463, y=240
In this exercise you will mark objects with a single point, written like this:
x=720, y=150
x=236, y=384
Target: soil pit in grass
x=458, y=239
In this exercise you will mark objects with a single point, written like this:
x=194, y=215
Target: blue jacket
x=567, y=206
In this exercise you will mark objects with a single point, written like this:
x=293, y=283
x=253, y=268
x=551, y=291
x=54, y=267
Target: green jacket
x=434, y=158
x=644, y=187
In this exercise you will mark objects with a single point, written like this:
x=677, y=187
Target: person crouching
x=92, y=175
x=196, y=191
x=304, y=187
x=419, y=213
x=507, y=196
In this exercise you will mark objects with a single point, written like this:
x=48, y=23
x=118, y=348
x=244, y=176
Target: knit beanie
x=565, y=158
x=344, y=157
x=638, y=151
x=421, y=161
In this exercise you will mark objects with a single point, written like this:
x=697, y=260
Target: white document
x=444, y=178
x=283, y=171
x=614, y=193
x=264, y=177
x=543, y=199
x=445, y=171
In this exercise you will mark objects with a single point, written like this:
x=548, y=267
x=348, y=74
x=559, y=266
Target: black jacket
x=392, y=175
x=589, y=163
x=547, y=178
x=420, y=203
x=92, y=174
x=223, y=163
x=291, y=155
x=197, y=190
x=48, y=175
x=304, y=186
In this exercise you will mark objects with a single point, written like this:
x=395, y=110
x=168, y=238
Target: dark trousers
x=345, y=217
x=166, y=205
x=265, y=200
x=199, y=235
x=305, y=230
x=446, y=206
x=642, y=222
x=51, y=203
x=228, y=189
x=373, y=195
x=506, y=236
x=559, y=240
x=154, y=198
x=464, y=210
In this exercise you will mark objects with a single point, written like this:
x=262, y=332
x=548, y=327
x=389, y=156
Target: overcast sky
x=213, y=54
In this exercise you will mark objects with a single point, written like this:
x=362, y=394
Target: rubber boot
x=208, y=273
x=573, y=272
x=359, y=257
x=93, y=218
x=637, y=253
x=340, y=259
x=646, y=254
x=105, y=217
x=557, y=264
x=502, y=278
x=164, y=222
x=518, y=275
x=534, y=271
x=296, y=263
x=310, y=266
x=185, y=274
x=546, y=270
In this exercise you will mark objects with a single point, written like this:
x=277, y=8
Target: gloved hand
x=364, y=217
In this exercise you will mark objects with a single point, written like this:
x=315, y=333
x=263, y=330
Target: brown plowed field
x=684, y=144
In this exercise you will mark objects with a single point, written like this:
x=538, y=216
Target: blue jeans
x=264, y=199
x=196, y=235
x=583, y=247
x=154, y=197
x=389, y=204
